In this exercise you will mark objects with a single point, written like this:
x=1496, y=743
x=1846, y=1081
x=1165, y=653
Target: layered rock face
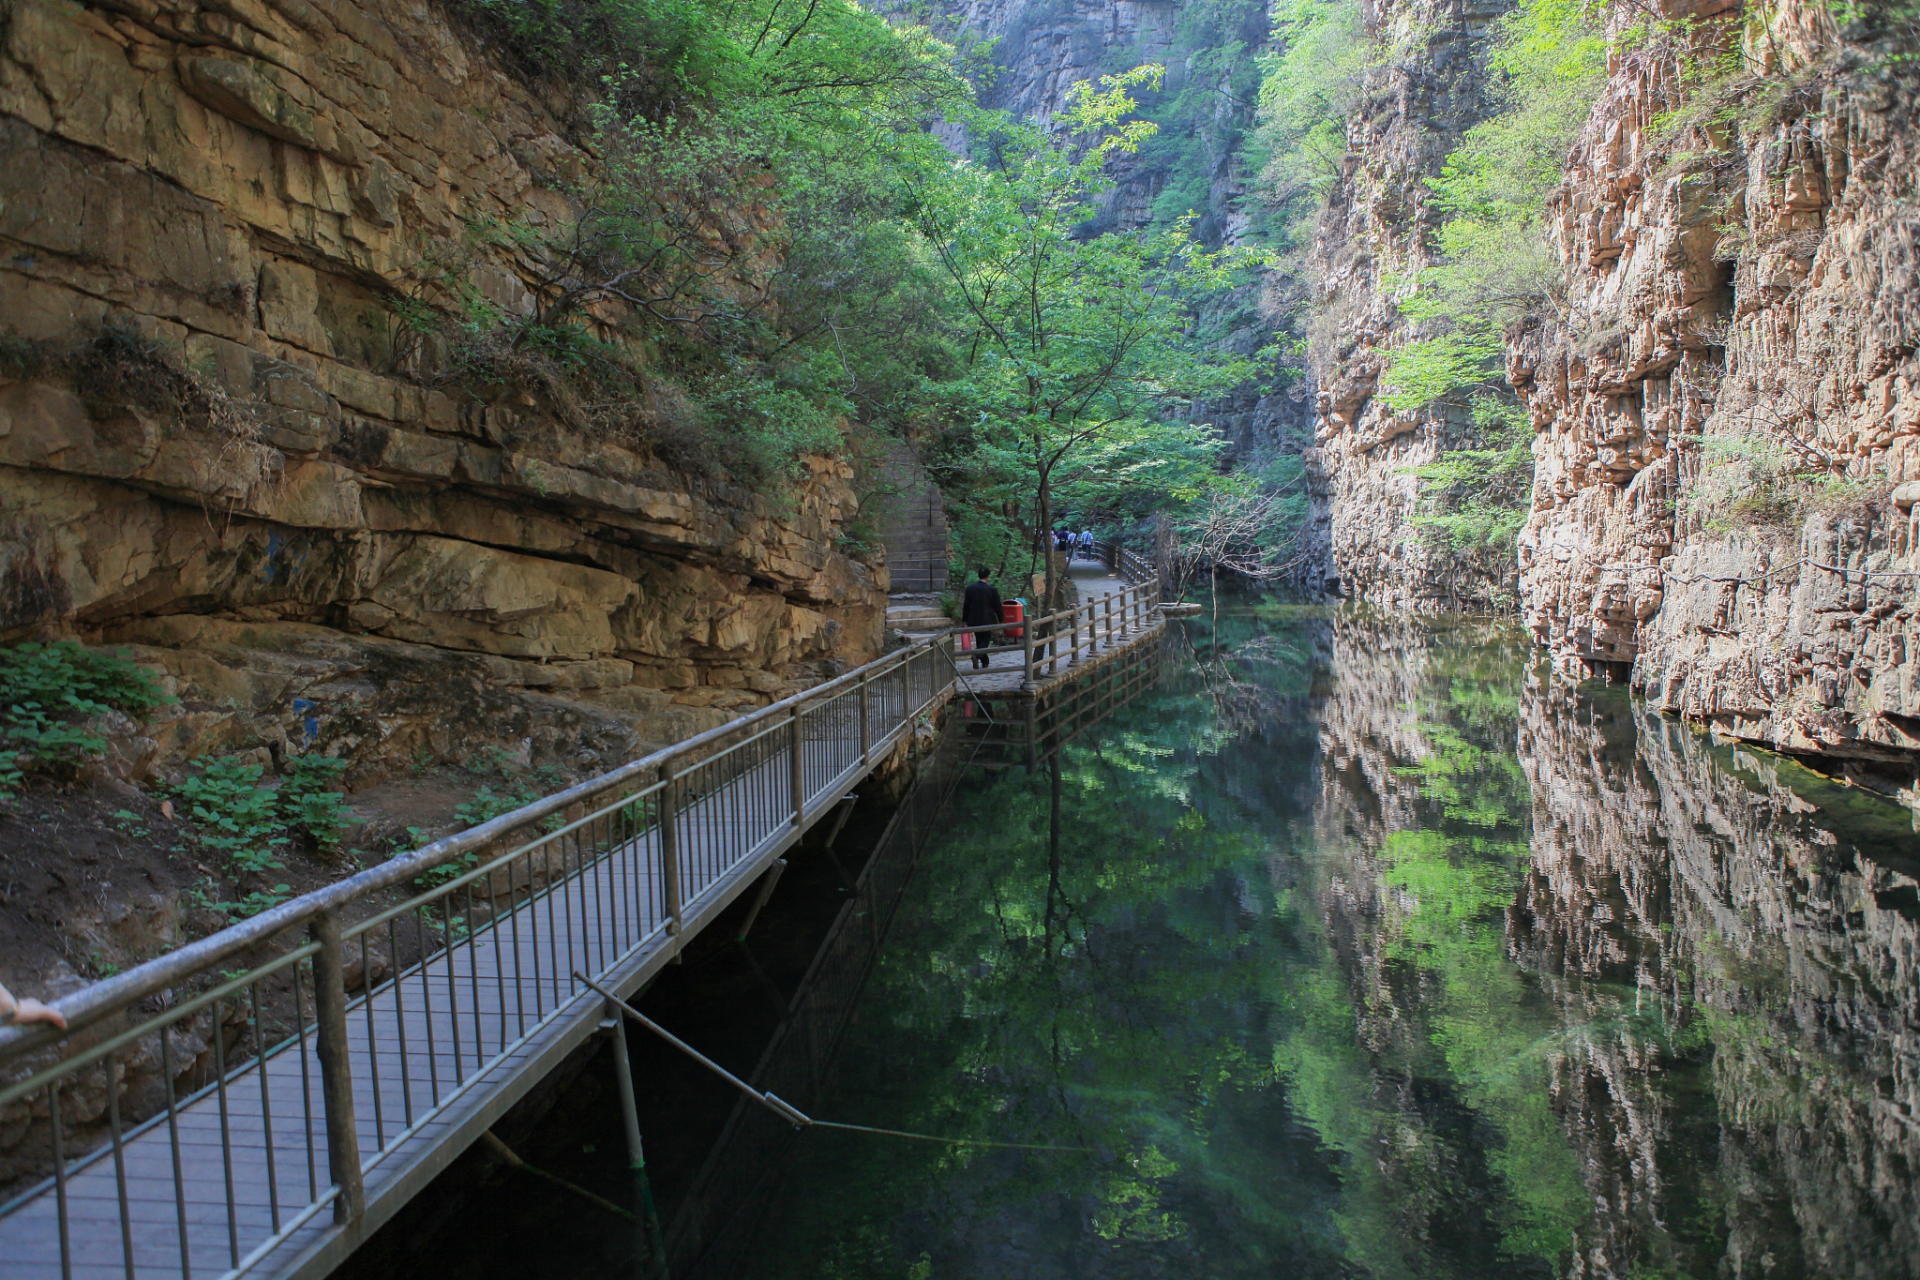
x=1727, y=420
x=1379, y=224
x=219, y=442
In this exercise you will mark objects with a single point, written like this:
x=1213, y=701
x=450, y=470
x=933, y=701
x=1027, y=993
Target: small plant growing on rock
x=249, y=826
x=234, y=816
x=49, y=696
x=308, y=803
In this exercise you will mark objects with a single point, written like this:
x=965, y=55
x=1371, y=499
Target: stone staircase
x=915, y=614
x=912, y=522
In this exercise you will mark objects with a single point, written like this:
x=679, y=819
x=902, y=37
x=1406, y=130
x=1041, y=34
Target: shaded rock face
x=304, y=535
x=1740, y=320
x=1380, y=222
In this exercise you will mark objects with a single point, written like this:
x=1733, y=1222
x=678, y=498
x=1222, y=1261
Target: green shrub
x=248, y=826
x=1548, y=64
x=233, y=815
x=307, y=802
x=1479, y=496
x=1310, y=85
x=49, y=693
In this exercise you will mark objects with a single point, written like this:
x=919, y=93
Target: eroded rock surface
x=1726, y=420
x=319, y=547
x=1379, y=227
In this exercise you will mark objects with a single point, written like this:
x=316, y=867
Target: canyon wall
x=228, y=443
x=1423, y=90
x=1727, y=419
x=1727, y=426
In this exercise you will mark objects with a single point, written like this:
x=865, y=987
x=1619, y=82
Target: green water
x=1360, y=948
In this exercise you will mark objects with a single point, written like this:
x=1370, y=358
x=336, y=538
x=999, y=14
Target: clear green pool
x=1361, y=948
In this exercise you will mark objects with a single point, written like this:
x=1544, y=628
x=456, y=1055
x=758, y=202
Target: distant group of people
x=1073, y=544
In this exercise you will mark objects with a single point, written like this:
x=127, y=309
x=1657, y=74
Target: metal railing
x=1071, y=636
x=1036, y=732
x=1132, y=567
x=207, y=1108
x=1079, y=632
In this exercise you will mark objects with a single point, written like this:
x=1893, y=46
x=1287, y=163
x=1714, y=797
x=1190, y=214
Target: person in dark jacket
x=978, y=608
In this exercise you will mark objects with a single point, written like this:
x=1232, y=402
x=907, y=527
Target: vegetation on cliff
x=776, y=246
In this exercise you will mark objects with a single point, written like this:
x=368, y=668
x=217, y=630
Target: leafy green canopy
x=1076, y=352
x=1548, y=59
x=1310, y=84
x=741, y=274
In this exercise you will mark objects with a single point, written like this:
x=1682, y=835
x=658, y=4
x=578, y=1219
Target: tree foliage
x=1548, y=62
x=1078, y=355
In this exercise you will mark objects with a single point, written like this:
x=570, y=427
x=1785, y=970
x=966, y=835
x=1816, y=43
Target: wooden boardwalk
x=1005, y=675
x=236, y=1179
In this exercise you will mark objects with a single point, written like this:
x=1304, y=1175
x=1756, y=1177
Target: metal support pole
x=615, y=1027
x=793, y=748
x=336, y=1071
x=866, y=726
x=670, y=850
x=767, y=882
x=846, y=811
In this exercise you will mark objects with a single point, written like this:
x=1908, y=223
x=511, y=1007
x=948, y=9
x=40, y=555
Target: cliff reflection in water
x=1355, y=949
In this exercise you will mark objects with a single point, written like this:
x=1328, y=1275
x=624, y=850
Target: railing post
x=670, y=849
x=1026, y=657
x=793, y=749
x=866, y=730
x=336, y=1069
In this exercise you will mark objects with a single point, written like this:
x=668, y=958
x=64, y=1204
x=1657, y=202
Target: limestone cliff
x=223, y=443
x=1422, y=92
x=1727, y=418
x=1727, y=433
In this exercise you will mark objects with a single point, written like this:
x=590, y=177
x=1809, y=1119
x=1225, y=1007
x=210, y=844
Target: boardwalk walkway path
x=1115, y=619
x=260, y=1101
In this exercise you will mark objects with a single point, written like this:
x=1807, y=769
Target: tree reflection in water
x=1357, y=948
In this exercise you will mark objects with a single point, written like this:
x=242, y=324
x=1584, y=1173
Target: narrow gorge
x=1285, y=633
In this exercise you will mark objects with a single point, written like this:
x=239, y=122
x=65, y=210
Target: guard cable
x=786, y=1110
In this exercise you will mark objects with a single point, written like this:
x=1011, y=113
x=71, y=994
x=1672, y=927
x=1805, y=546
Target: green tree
x=1077, y=350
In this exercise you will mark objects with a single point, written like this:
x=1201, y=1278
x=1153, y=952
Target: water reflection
x=1355, y=949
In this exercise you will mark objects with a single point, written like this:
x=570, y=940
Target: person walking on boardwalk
x=979, y=608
